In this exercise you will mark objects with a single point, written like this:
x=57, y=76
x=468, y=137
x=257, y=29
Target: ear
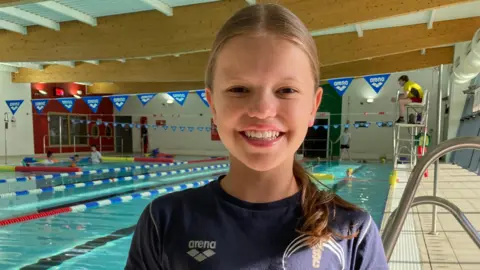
x=209, y=96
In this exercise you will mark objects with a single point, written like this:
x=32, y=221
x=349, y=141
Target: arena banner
x=203, y=96
x=179, y=96
x=340, y=85
x=119, y=101
x=67, y=103
x=39, y=104
x=14, y=105
x=377, y=81
x=145, y=98
x=93, y=102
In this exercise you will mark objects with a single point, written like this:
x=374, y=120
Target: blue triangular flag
x=325, y=126
x=115, y=124
x=340, y=85
x=356, y=125
x=165, y=127
x=131, y=125
x=367, y=125
x=39, y=104
x=347, y=125
x=98, y=122
x=174, y=128
x=88, y=121
x=119, y=101
x=190, y=129
x=105, y=123
x=138, y=126
x=380, y=124
x=182, y=129
x=179, y=96
x=200, y=128
x=145, y=98
x=377, y=81
x=207, y=129
x=203, y=97
x=93, y=103
x=389, y=123
x=14, y=105
x=67, y=103
x=154, y=126
x=316, y=127
x=123, y=125
x=336, y=126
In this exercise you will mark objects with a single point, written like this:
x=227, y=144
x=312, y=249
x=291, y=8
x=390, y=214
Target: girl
x=262, y=86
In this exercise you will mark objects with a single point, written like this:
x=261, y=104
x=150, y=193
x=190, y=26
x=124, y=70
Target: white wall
x=187, y=143
x=19, y=134
x=373, y=142
x=457, y=97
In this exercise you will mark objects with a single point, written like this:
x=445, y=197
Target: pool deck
x=451, y=248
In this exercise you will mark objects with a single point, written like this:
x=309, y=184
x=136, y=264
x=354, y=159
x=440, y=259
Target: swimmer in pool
x=262, y=85
x=75, y=160
x=345, y=181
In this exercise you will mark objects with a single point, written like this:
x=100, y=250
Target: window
x=108, y=131
x=94, y=131
x=62, y=129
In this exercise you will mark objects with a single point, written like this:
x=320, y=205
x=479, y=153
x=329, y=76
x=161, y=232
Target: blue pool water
x=73, y=240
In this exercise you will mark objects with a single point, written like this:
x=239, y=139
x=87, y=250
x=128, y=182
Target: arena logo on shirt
x=201, y=250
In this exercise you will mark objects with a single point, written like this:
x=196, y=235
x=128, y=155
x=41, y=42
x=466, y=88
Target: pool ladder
x=397, y=218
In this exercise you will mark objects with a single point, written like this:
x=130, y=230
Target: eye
x=287, y=90
x=238, y=90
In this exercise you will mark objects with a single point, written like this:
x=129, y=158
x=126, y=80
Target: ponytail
x=316, y=206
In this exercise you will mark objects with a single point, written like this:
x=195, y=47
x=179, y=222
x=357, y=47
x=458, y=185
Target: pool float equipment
x=393, y=179
x=324, y=176
x=46, y=169
x=422, y=141
x=117, y=159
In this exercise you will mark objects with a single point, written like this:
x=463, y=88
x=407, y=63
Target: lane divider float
x=90, y=172
x=53, y=189
x=114, y=200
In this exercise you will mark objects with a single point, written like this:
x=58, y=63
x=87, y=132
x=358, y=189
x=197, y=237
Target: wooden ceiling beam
x=191, y=68
x=191, y=29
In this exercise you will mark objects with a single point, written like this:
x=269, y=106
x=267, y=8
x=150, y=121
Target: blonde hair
x=272, y=19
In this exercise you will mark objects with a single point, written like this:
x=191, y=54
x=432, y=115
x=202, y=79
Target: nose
x=262, y=104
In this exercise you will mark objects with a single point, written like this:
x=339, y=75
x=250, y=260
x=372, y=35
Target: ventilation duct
x=467, y=65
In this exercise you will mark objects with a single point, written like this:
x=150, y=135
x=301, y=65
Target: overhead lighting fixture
x=369, y=100
x=77, y=96
x=43, y=92
x=79, y=92
x=84, y=83
x=169, y=101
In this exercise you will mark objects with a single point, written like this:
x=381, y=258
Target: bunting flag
x=39, y=104
x=377, y=81
x=200, y=128
x=14, y=105
x=145, y=98
x=67, y=103
x=179, y=97
x=191, y=129
x=182, y=129
x=93, y=102
x=340, y=85
x=165, y=127
x=173, y=128
x=203, y=97
x=119, y=101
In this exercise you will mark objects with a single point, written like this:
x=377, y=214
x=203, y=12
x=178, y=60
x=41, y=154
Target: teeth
x=263, y=135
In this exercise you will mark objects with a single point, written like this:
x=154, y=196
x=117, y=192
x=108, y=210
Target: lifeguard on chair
x=413, y=94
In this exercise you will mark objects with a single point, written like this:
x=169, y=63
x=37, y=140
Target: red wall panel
x=40, y=121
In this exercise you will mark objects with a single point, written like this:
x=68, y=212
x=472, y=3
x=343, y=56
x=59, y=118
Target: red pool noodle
x=46, y=169
x=150, y=159
x=28, y=217
x=207, y=160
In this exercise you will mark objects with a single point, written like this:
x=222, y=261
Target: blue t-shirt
x=208, y=229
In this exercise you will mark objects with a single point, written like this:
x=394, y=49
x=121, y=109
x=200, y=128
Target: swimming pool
x=89, y=239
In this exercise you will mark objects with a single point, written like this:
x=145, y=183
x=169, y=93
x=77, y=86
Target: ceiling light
x=369, y=100
x=170, y=101
x=43, y=92
x=77, y=96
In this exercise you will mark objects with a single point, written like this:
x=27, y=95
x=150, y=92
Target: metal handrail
x=448, y=205
x=394, y=226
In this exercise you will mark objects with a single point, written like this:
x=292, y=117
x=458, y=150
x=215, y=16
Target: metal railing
x=100, y=141
x=408, y=200
x=60, y=146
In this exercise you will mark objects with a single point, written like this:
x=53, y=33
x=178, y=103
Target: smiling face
x=263, y=99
